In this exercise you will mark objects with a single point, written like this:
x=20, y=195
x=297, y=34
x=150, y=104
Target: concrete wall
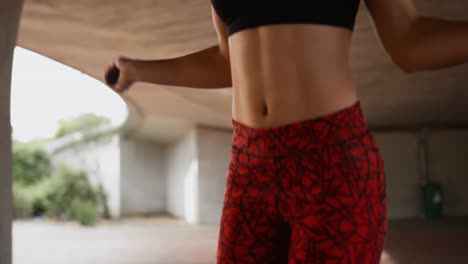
x=400, y=151
x=213, y=151
x=9, y=17
x=101, y=161
x=182, y=178
x=448, y=164
x=143, y=183
x=196, y=168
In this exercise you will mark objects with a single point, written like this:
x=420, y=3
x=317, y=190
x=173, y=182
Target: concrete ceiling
x=88, y=34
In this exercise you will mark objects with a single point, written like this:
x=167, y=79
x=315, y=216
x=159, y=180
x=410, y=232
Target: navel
x=265, y=110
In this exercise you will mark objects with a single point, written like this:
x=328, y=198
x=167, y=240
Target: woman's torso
x=285, y=73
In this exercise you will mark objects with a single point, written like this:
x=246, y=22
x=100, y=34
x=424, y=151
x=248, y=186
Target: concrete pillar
x=142, y=177
x=10, y=11
x=213, y=152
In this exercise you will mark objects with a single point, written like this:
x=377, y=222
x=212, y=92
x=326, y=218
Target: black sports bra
x=244, y=14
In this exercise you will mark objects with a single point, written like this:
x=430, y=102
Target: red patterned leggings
x=307, y=192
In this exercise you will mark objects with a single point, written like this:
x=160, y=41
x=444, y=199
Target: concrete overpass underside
x=88, y=34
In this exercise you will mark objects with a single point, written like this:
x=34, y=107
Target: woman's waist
x=264, y=106
x=301, y=135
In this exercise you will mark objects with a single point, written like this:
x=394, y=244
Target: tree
x=81, y=123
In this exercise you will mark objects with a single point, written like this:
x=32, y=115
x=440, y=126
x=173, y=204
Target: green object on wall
x=433, y=199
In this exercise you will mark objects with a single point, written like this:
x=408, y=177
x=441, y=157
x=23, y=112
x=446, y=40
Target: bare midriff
x=288, y=73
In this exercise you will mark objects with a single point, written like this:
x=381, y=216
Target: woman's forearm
x=433, y=43
x=207, y=68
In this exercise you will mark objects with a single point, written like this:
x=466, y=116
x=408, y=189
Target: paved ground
x=166, y=241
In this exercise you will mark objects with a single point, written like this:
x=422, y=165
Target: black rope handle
x=113, y=76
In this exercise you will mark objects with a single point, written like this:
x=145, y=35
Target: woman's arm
x=208, y=68
x=415, y=42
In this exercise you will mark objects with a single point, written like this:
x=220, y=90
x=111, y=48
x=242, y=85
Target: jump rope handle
x=113, y=76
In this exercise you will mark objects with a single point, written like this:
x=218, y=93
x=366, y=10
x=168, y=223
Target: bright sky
x=44, y=91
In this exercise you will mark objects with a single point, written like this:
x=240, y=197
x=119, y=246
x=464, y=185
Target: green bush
x=67, y=195
x=22, y=202
x=39, y=194
x=69, y=186
x=85, y=212
x=30, y=164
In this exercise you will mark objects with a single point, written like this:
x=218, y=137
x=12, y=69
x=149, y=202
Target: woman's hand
x=121, y=74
